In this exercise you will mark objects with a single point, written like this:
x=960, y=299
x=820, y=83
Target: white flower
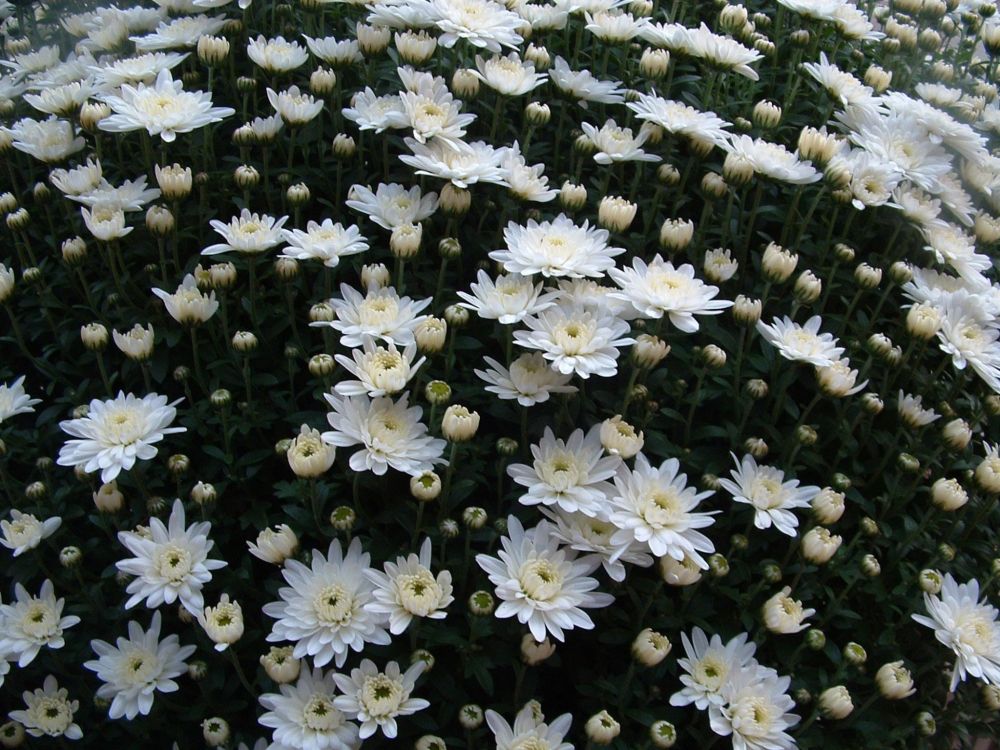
x=117, y=432
x=381, y=314
x=376, y=698
x=595, y=535
x=170, y=564
x=463, y=163
x=135, y=668
x=529, y=732
x=556, y=248
x=248, y=233
x=839, y=380
x=294, y=106
x=180, y=32
x=576, y=340
x=572, y=474
x=32, y=622
x=188, y=306
x=224, y=622
x=136, y=343
x=48, y=712
x=755, y=710
x=304, y=718
x=615, y=144
x=106, y=221
x=276, y=55
x=655, y=507
x=24, y=531
x=971, y=336
x=710, y=665
x=163, y=109
x=372, y=112
x=50, y=140
x=433, y=112
x=275, y=545
x=482, y=23
x=139, y=69
x=722, y=52
x=507, y=299
x=79, y=180
x=508, y=75
x=526, y=183
x=530, y=379
x=381, y=371
x=409, y=589
x=680, y=119
x=967, y=626
x=323, y=608
x=390, y=433
x=783, y=614
x=801, y=343
x=392, y=205
x=838, y=83
x=14, y=401
x=335, y=52
x=658, y=288
x=544, y=586
x=772, y=160
x=912, y=411
x=583, y=86
x=765, y=488
x=327, y=242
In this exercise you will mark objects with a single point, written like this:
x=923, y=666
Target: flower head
x=657, y=289
x=408, y=589
x=376, y=698
x=303, y=715
x=188, y=306
x=773, y=498
x=48, y=712
x=556, y=248
x=24, y=531
x=248, y=233
x=32, y=622
x=802, y=343
x=14, y=401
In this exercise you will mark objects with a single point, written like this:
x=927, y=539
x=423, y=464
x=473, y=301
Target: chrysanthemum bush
x=529, y=376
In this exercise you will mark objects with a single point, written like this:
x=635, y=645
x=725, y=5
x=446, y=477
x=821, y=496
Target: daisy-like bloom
x=722, y=52
x=756, y=710
x=801, y=343
x=381, y=371
x=530, y=731
x=24, y=531
x=50, y=140
x=576, y=340
x=248, y=233
x=304, y=717
x=545, y=587
x=294, y=106
x=970, y=336
x=462, y=163
x=14, y=401
x=48, y=712
x=556, y=248
x=524, y=182
x=530, y=379
x=482, y=23
x=772, y=160
x=171, y=564
x=106, y=222
x=335, y=52
x=62, y=100
x=323, y=608
x=380, y=314
x=372, y=112
x=131, y=70
x=841, y=85
x=131, y=195
x=117, y=432
x=136, y=343
x=276, y=55
x=79, y=180
x=595, y=536
x=658, y=288
x=508, y=299
x=710, y=665
x=179, y=33
x=508, y=75
x=680, y=119
x=968, y=626
x=392, y=205
x=765, y=488
x=614, y=25
x=390, y=433
x=615, y=144
x=327, y=242
x=163, y=109
x=188, y=306
x=655, y=507
x=376, y=698
x=572, y=474
x=956, y=248
x=432, y=112
x=409, y=589
x=136, y=667
x=941, y=127
x=839, y=380
x=32, y=622
x=912, y=411
x=583, y=86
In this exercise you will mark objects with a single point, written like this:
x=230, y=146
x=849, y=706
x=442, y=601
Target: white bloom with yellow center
x=482, y=23
x=783, y=614
x=48, y=712
x=556, y=248
x=224, y=622
x=79, y=180
x=14, y=400
x=756, y=710
x=308, y=456
x=432, y=112
x=583, y=86
x=680, y=119
x=409, y=589
x=772, y=160
x=135, y=668
x=327, y=242
x=277, y=55
x=801, y=343
x=32, y=622
x=462, y=163
x=595, y=535
x=392, y=205
x=380, y=370
x=50, y=140
x=248, y=233
x=303, y=715
x=179, y=32
x=530, y=379
x=294, y=106
x=773, y=498
x=106, y=221
x=376, y=698
x=24, y=531
x=508, y=75
x=709, y=665
x=576, y=340
x=136, y=343
x=616, y=144
x=380, y=314
x=530, y=732
x=188, y=306
x=506, y=299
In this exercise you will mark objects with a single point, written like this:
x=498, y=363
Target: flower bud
x=679, y=572
x=616, y=213
x=987, y=473
x=280, y=665
x=870, y=566
x=246, y=176
x=766, y=115
x=108, y=498
x=601, y=728
x=654, y=63
x=948, y=494
x=533, y=652
x=815, y=639
x=713, y=185
x=835, y=702
x=894, y=681
x=506, y=446
x=872, y=403
x=456, y=316
x=619, y=438
x=224, y=623
x=676, y=234
x=650, y=647
x=757, y=389
x=298, y=194
x=18, y=219
x=539, y=56
x=878, y=78
x=438, y=393
x=990, y=695
x=322, y=82
x=203, y=493
x=737, y=169
x=212, y=50
x=459, y=424
x=930, y=581
x=430, y=335
x=648, y=351
x=343, y=146
x=718, y=565
x=712, y=357
x=474, y=518
x=756, y=447
x=783, y=614
x=244, y=341
x=926, y=724
x=70, y=557
x=94, y=336
x=819, y=545
x=430, y=742
x=308, y=456
x=454, y=201
x=343, y=518
x=425, y=486
x=91, y=114
x=404, y=242
x=807, y=287
x=868, y=277
x=668, y=174
x=778, y=263
x=321, y=365
x=537, y=114
x=481, y=603
x=854, y=653
x=771, y=572
x=470, y=716
x=828, y=505
x=465, y=83
x=662, y=734
x=274, y=545
x=572, y=196
x=448, y=528
x=215, y=730
x=946, y=551
x=74, y=251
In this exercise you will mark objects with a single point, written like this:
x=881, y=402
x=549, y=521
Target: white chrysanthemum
x=135, y=668
x=530, y=379
x=62, y=100
x=323, y=608
x=655, y=507
x=117, y=432
x=529, y=732
x=432, y=112
x=967, y=626
x=801, y=343
x=380, y=314
x=392, y=205
x=912, y=411
x=956, y=248
x=372, y=112
x=722, y=51
x=381, y=370
x=756, y=710
x=247, y=233
x=616, y=144
x=376, y=698
x=390, y=433
x=545, y=587
x=657, y=288
x=524, y=182
x=614, y=26
x=327, y=242
x=839, y=380
x=462, y=163
x=840, y=84
x=595, y=536
x=180, y=32
x=508, y=299
x=592, y=295
x=556, y=248
x=48, y=712
x=277, y=55
x=14, y=401
x=163, y=109
x=772, y=160
x=171, y=564
x=482, y=23
x=188, y=306
x=79, y=180
x=131, y=195
x=576, y=340
x=409, y=589
x=765, y=488
x=294, y=106
x=106, y=222
x=710, y=665
x=508, y=75
x=24, y=531
x=31, y=622
x=334, y=51
x=680, y=119
x=970, y=336
x=50, y=140
x=131, y=70
x=583, y=86
x=303, y=716
x=572, y=474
